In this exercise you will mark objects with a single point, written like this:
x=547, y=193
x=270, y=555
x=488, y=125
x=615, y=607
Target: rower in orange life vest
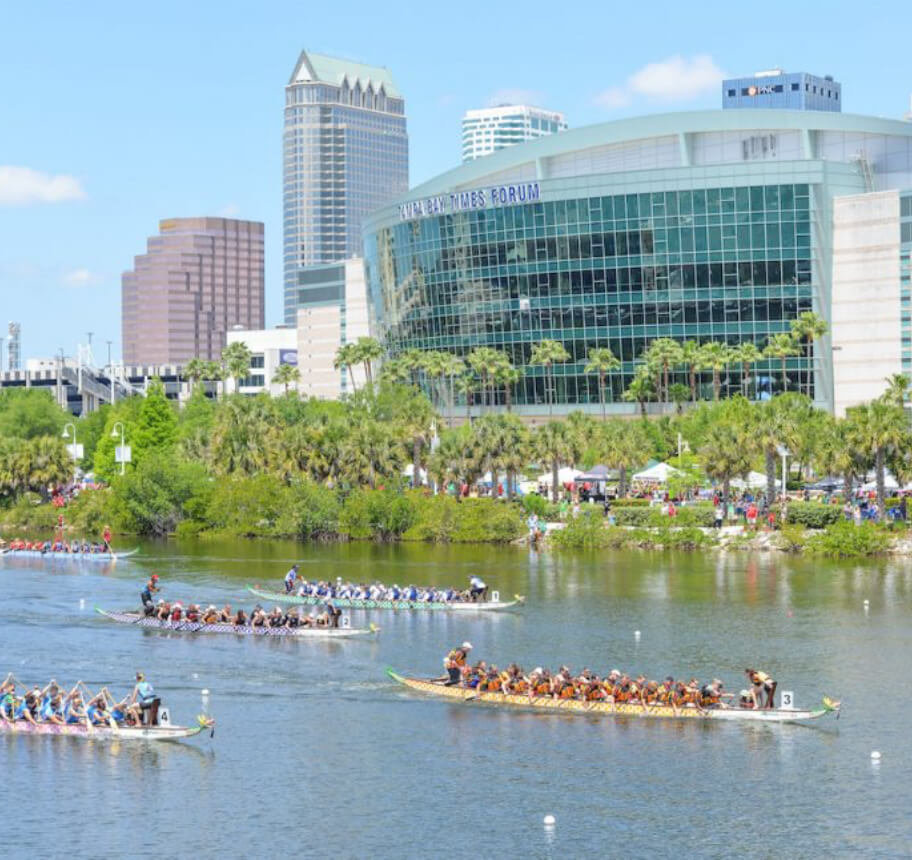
x=455, y=662
x=762, y=684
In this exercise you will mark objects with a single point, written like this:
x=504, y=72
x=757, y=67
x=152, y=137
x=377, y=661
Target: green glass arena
x=701, y=226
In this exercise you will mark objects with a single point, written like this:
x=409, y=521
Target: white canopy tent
x=755, y=480
x=657, y=474
x=890, y=483
x=564, y=476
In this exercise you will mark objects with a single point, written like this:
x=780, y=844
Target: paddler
x=146, y=594
x=762, y=685
x=455, y=662
x=106, y=538
x=477, y=588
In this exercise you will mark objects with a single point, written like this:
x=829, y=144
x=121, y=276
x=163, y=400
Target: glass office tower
x=345, y=154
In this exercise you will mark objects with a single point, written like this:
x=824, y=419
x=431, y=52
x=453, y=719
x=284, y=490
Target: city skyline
x=75, y=204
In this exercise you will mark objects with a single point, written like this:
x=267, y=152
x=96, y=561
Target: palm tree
x=451, y=366
x=623, y=445
x=49, y=464
x=641, y=388
x=366, y=351
x=369, y=453
x=508, y=376
x=726, y=454
x=808, y=327
x=897, y=389
x=285, y=375
x=467, y=384
x=691, y=356
x=553, y=444
x=347, y=357
x=774, y=427
x=880, y=429
x=746, y=354
x=547, y=354
x=663, y=354
x=715, y=356
x=236, y=359
x=485, y=361
x=782, y=346
x=602, y=361
x=194, y=370
x=414, y=418
x=413, y=359
x=836, y=455
x=679, y=395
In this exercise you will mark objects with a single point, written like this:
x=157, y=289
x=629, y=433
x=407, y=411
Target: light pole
x=73, y=449
x=114, y=432
x=110, y=371
x=785, y=454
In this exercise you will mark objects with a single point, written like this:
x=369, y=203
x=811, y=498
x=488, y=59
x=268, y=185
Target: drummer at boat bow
x=290, y=578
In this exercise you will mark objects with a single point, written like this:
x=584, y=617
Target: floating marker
x=636, y=634
x=195, y=675
x=82, y=603
x=550, y=821
x=875, y=756
x=205, y=693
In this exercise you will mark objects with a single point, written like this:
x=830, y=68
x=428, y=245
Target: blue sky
x=114, y=115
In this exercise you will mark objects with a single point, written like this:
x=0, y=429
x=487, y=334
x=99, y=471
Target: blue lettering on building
x=467, y=201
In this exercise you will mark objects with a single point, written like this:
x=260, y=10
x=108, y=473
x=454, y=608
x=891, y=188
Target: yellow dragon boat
x=576, y=706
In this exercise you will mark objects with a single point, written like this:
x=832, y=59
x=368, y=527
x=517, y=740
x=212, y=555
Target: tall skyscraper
x=345, y=153
x=488, y=129
x=15, y=346
x=197, y=279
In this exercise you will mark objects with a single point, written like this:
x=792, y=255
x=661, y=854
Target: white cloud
x=20, y=186
x=675, y=79
x=230, y=210
x=79, y=278
x=510, y=96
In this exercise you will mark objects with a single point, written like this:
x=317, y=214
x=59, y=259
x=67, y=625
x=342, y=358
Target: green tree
x=508, y=376
x=746, y=354
x=486, y=361
x=415, y=419
x=692, y=358
x=715, y=356
x=602, y=361
x=156, y=426
x=194, y=427
x=679, y=395
x=242, y=436
x=285, y=375
x=126, y=412
x=663, y=354
x=546, y=354
x=623, y=445
x=552, y=444
x=808, y=327
x=371, y=453
x=367, y=350
x=27, y=413
x=347, y=357
x=879, y=429
x=782, y=346
x=726, y=454
x=236, y=358
x=641, y=389
x=897, y=389
x=195, y=370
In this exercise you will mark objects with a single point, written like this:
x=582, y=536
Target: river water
x=317, y=752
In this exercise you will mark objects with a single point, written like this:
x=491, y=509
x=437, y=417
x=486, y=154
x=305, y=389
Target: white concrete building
x=333, y=311
x=270, y=348
x=487, y=130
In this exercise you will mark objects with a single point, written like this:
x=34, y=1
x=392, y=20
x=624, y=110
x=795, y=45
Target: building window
x=795, y=88
x=732, y=93
x=257, y=361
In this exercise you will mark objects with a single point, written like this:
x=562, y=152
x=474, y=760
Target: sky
x=116, y=115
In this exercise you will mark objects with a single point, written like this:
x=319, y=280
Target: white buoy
x=205, y=693
x=550, y=821
x=82, y=603
x=195, y=676
x=636, y=634
x=875, y=756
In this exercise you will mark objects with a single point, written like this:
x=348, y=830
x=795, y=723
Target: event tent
x=657, y=474
x=564, y=476
x=755, y=480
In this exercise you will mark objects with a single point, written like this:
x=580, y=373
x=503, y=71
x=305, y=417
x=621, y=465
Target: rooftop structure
x=487, y=130
x=782, y=90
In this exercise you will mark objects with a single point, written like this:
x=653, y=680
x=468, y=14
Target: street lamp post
x=785, y=454
x=114, y=432
x=73, y=448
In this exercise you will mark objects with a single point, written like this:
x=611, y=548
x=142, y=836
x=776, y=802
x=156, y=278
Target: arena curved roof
x=676, y=124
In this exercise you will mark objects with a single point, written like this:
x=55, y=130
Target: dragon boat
x=162, y=732
x=495, y=605
x=67, y=556
x=140, y=620
x=575, y=706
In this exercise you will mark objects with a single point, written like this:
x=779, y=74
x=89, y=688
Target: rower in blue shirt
x=144, y=696
x=290, y=579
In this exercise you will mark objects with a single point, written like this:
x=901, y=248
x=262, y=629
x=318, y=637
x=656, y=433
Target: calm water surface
x=316, y=752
